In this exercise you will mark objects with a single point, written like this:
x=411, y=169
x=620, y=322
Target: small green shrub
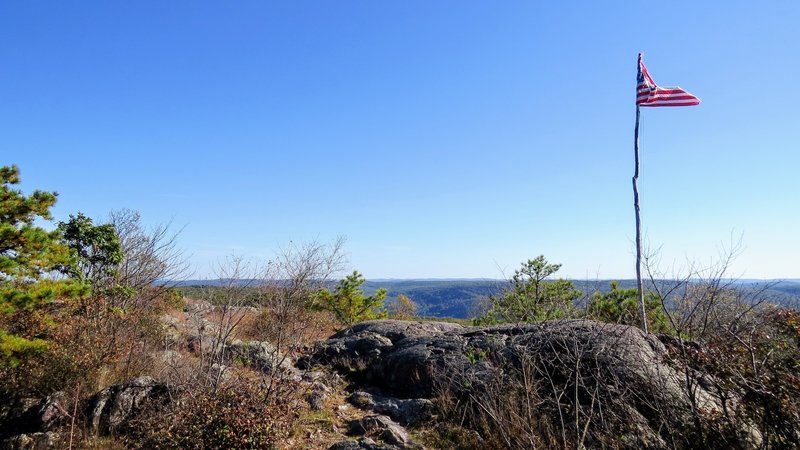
x=622, y=306
x=532, y=296
x=348, y=302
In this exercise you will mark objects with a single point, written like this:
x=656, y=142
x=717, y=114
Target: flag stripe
x=648, y=93
x=665, y=99
x=660, y=90
x=659, y=93
x=657, y=99
x=644, y=97
x=669, y=100
x=664, y=103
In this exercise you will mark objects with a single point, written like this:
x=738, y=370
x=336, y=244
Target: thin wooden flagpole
x=638, y=223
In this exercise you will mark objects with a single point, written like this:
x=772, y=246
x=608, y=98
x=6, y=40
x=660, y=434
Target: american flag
x=649, y=94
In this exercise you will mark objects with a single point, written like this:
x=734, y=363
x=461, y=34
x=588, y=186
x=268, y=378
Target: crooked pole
x=639, y=286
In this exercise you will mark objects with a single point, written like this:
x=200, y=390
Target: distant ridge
x=456, y=297
x=433, y=279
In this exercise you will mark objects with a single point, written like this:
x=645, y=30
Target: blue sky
x=443, y=139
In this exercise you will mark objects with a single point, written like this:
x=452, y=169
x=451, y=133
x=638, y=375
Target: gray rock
x=111, y=409
x=33, y=441
x=202, y=344
x=19, y=415
x=362, y=444
x=198, y=307
x=171, y=330
x=316, y=398
x=407, y=365
x=259, y=355
x=52, y=410
x=358, y=347
x=398, y=330
x=406, y=411
x=207, y=328
x=237, y=310
x=219, y=372
x=169, y=322
x=346, y=445
x=631, y=370
x=380, y=427
x=34, y=415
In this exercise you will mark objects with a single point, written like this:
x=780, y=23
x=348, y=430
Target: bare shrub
x=268, y=304
x=288, y=288
x=227, y=304
x=735, y=340
x=207, y=418
x=152, y=258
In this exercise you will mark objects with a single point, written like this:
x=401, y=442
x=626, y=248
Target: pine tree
x=532, y=297
x=348, y=302
x=28, y=255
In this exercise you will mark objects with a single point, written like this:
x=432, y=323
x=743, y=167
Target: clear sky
x=443, y=139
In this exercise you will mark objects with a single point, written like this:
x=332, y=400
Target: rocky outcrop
x=381, y=427
x=629, y=371
x=111, y=409
x=409, y=361
x=198, y=308
x=318, y=394
x=33, y=424
x=27, y=415
x=364, y=443
x=28, y=423
x=259, y=355
x=406, y=411
x=358, y=348
x=378, y=432
x=34, y=441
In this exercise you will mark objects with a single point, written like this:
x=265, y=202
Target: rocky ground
x=334, y=413
x=373, y=386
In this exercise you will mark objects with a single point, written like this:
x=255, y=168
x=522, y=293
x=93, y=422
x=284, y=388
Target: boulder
x=382, y=428
x=410, y=365
x=169, y=322
x=259, y=355
x=171, y=330
x=219, y=373
x=34, y=441
x=406, y=411
x=316, y=398
x=398, y=330
x=206, y=328
x=34, y=415
x=198, y=308
x=358, y=347
x=204, y=344
x=630, y=372
x=362, y=444
x=111, y=409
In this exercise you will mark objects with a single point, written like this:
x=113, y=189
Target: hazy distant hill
x=456, y=297
x=439, y=298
